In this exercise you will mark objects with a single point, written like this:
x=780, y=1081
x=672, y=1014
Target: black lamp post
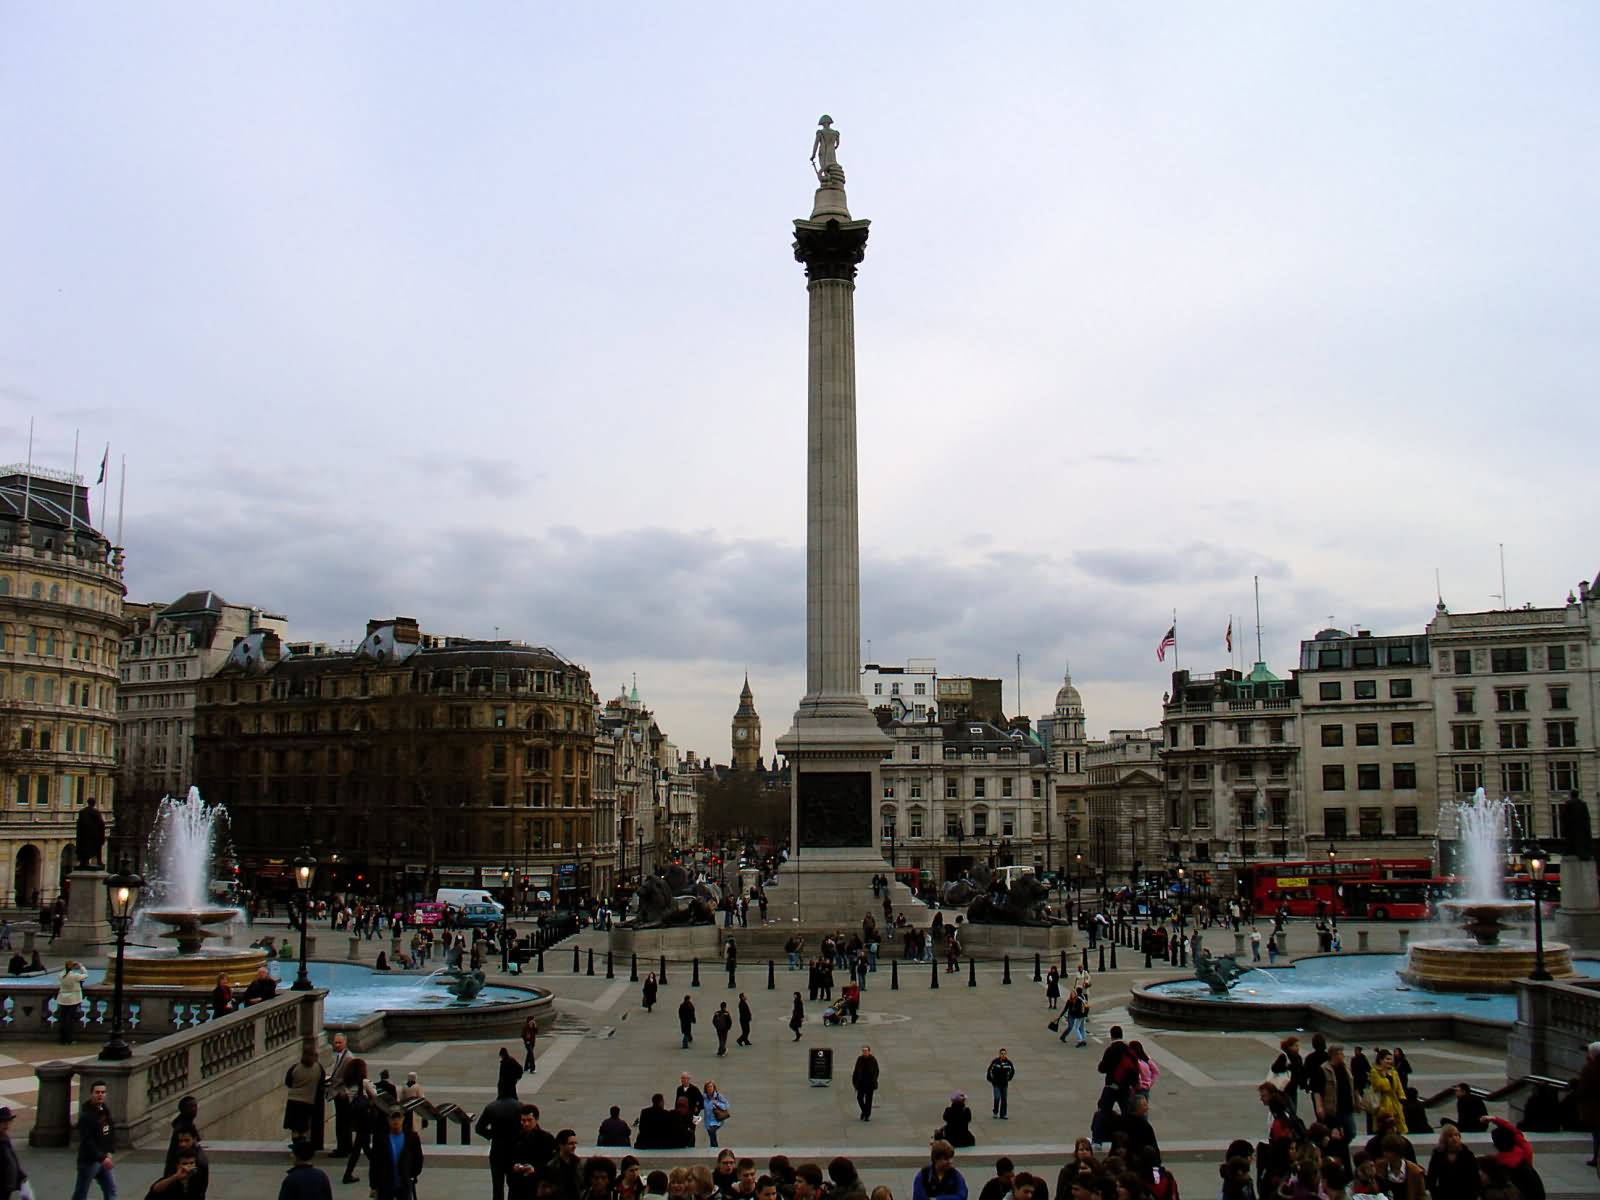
x=305, y=869
x=122, y=890
x=1077, y=876
x=506, y=873
x=1537, y=859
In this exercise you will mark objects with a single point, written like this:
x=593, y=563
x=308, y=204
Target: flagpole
x=1174, y=639
x=101, y=484
x=1258, y=619
x=122, y=496
x=27, y=477
x=72, y=499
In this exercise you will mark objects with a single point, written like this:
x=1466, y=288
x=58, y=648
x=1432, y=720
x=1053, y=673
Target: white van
x=1011, y=874
x=459, y=898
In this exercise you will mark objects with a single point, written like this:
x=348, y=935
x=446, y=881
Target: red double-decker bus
x=1324, y=887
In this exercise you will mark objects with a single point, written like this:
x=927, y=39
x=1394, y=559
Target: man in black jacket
x=688, y=1092
x=305, y=1180
x=745, y=1017
x=864, y=1078
x=532, y=1150
x=500, y=1124
x=11, y=1173
x=396, y=1157
x=656, y=1130
x=96, y=1138
x=722, y=1022
x=1000, y=1074
x=563, y=1171
x=686, y=1021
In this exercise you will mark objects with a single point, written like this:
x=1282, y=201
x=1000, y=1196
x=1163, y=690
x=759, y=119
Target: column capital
x=830, y=249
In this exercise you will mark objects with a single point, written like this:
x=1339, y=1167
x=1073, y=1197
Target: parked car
x=426, y=912
x=479, y=914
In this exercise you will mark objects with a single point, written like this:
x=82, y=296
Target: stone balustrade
x=28, y=1012
x=233, y=1065
x=1555, y=1023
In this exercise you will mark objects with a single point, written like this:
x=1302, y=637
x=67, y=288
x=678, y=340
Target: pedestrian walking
x=305, y=1180
x=797, y=1016
x=335, y=1083
x=364, y=1101
x=510, y=1074
x=1000, y=1074
x=864, y=1078
x=96, y=1139
x=1052, y=988
x=722, y=1022
x=508, y=1125
x=1255, y=945
x=745, y=1018
x=1077, y=1011
x=686, y=1021
x=650, y=988
x=12, y=1176
x=530, y=1036
x=396, y=1159
x=304, y=1082
x=716, y=1110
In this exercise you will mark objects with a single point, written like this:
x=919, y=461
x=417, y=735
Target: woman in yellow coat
x=1385, y=1082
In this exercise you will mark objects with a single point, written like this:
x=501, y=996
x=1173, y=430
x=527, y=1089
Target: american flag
x=1170, y=640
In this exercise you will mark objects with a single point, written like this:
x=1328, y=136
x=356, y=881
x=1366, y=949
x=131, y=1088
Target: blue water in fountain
x=1355, y=985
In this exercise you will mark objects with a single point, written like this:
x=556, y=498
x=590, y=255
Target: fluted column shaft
x=833, y=564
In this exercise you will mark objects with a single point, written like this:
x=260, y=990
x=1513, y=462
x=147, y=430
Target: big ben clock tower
x=746, y=732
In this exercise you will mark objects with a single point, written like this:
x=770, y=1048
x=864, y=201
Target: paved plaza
x=606, y=1050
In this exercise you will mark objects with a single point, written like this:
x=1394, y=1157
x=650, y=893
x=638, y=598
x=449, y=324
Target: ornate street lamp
x=122, y=890
x=305, y=869
x=1537, y=859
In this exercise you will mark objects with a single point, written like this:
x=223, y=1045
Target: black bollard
x=1147, y=962
x=695, y=982
x=661, y=977
x=933, y=974
x=1113, y=956
x=1037, y=978
x=1006, y=978
x=541, y=960
x=576, y=964
x=1183, y=953
x=1102, y=959
x=590, y=971
x=1084, y=966
x=611, y=972
x=772, y=976
x=972, y=972
x=1063, y=962
x=894, y=974
x=633, y=968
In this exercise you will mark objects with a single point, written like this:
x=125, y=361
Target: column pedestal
x=1578, y=918
x=86, y=928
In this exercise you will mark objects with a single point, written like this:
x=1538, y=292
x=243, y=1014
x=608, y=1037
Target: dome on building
x=1068, y=698
x=381, y=646
x=251, y=653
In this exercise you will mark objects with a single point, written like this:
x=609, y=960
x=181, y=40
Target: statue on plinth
x=90, y=837
x=1575, y=829
x=674, y=898
x=1022, y=903
x=825, y=153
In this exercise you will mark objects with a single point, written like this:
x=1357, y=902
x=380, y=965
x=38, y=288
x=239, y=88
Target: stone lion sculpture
x=1023, y=903
x=674, y=898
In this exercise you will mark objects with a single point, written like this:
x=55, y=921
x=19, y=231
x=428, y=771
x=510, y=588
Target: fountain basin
x=1484, y=919
x=198, y=970
x=1467, y=965
x=186, y=926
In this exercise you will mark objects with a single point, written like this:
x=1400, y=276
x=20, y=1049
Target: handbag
x=1054, y=1026
x=719, y=1112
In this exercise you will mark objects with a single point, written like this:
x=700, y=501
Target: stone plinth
x=86, y=929
x=991, y=941
x=1578, y=919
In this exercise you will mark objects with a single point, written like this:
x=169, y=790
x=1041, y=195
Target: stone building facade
x=409, y=763
x=1124, y=831
x=957, y=793
x=1514, y=696
x=1368, y=744
x=1233, y=773
x=167, y=651
x=1066, y=746
x=61, y=626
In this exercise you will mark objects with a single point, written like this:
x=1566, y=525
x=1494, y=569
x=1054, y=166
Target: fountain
x=180, y=901
x=1482, y=961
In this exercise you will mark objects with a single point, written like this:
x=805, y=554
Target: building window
x=1514, y=777
x=1511, y=699
x=1246, y=770
x=1363, y=656
x=1558, y=658
x=1199, y=733
x=1563, y=775
x=1366, y=689
x=1333, y=822
x=887, y=832
x=1560, y=733
x=1333, y=778
x=1280, y=809
x=1243, y=732
x=888, y=791
x=979, y=786
x=1008, y=824
x=1469, y=777
x=1367, y=777
x=916, y=751
x=952, y=789
x=1466, y=737
x=1005, y=788
x=916, y=825
x=980, y=824
x=1366, y=735
x=877, y=689
x=1399, y=655
x=1276, y=730
x=1405, y=822
x=1327, y=657
x=1558, y=699
x=1507, y=659
x=1399, y=689
x=1330, y=691
x=919, y=689
x=1202, y=812
x=498, y=758
x=916, y=789
x=1333, y=735
x=1201, y=773
x=1371, y=822
x=1464, y=700
x=1463, y=662
x=1513, y=735
x=1402, y=733
x=1405, y=776
x=1038, y=789
x=1247, y=812
x=1174, y=812
x=1278, y=769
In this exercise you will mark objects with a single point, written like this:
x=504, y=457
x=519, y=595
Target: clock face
x=741, y=733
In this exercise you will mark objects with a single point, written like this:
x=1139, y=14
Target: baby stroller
x=833, y=1015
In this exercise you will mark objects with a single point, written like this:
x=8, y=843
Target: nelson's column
x=835, y=747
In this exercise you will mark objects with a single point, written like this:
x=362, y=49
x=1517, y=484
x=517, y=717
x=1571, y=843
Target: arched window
x=5, y=585
x=77, y=597
x=29, y=685
x=50, y=644
x=55, y=593
x=38, y=590
x=49, y=691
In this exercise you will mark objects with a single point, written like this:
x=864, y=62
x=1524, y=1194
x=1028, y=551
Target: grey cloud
x=1201, y=562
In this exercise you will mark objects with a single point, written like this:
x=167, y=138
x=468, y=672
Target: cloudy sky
x=486, y=314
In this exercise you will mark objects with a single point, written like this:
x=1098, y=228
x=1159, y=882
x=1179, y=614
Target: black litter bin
x=819, y=1070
